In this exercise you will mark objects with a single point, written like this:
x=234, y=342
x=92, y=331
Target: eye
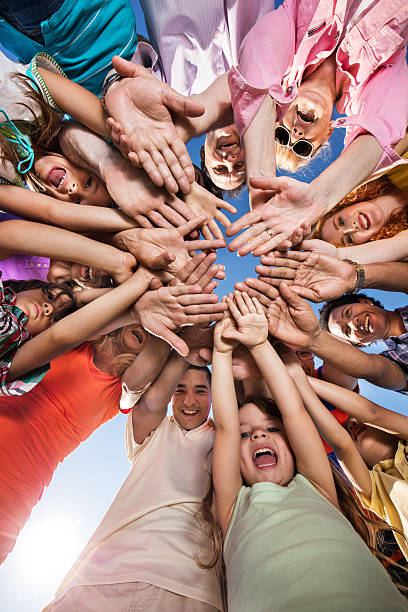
x=77, y=201
x=349, y=239
x=341, y=221
x=244, y=434
x=219, y=169
x=273, y=429
x=88, y=183
x=347, y=312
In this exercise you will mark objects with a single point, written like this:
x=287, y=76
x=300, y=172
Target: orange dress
x=40, y=428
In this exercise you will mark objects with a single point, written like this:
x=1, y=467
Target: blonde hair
x=109, y=344
x=374, y=189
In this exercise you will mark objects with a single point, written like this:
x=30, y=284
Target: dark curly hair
x=50, y=291
x=347, y=298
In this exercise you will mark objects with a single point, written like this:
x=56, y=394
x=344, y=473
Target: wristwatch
x=112, y=78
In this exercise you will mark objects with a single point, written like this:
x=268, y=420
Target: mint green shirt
x=288, y=549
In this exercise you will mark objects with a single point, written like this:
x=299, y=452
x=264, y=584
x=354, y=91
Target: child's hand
x=223, y=344
x=250, y=319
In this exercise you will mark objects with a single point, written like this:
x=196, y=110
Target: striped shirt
x=398, y=346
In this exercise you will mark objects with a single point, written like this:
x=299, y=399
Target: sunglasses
x=301, y=148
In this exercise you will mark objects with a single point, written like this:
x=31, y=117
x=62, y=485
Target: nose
x=73, y=188
x=258, y=434
x=296, y=132
x=229, y=155
x=47, y=309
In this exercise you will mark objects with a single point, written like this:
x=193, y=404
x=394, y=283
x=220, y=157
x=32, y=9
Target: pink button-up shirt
x=372, y=73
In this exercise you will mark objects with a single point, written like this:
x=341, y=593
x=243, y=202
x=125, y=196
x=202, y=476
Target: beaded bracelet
x=112, y=78
x=360, y=276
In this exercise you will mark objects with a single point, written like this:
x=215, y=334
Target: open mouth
x=306, y=116
x=190, y=412
x=85, y=273
x=56, y=177
x=138, y=335
x=264, y=457
x=368, y=327
x=364, y=221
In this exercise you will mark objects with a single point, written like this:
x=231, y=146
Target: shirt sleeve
x=265, y=53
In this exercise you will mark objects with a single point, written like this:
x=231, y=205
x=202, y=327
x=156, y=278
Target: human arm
x=45, y=209
x=318, y=277
x=329, y=428
x=227, y=442
x=142, y=104
x=311, y=458
x=377, y=251
x=28, y=238
x=152, y=407
x=292, y=320
x=292, y=203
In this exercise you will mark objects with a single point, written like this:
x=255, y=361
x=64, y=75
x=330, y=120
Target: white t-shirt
x=150, y=532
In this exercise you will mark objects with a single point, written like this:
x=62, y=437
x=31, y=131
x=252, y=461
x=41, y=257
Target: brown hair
x=43, y=131
x=373, y=189
x=366, y=524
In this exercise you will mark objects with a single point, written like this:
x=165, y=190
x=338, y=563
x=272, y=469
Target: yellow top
x=399, y=174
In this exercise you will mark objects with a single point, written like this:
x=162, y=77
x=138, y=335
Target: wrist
x=356, y=277
x=257, y=348
x=109, y=84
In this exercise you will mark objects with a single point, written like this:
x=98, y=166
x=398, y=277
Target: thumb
x=127, y=69
x=182, y=105
x=205, y=354
x=290, y=297
x=268, y=183
x=161, y=261
x=161, y=331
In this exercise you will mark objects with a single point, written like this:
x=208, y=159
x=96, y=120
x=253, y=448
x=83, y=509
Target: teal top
x=82, y=36
x=288, y=549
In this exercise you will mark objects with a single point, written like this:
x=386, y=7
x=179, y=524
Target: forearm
x=218, y=111
x=392, y=276
x=377, y=251
x=349, y=359
x=44, y=209
x=224, y=401
x=30, y=238
x=147, y=365
x=78, y=326
x=76, y=101
x=354, y=164
x=259, y=141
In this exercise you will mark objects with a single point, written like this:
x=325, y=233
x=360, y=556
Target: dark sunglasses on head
x=302, y=148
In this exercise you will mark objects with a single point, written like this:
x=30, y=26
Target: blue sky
x=87, y=481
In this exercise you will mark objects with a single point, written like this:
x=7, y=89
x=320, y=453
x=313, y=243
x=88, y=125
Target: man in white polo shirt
x=142, y=554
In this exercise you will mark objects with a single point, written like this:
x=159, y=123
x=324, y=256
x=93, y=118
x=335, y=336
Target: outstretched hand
x=164, y=311
x=313, y=276
x=201, y=202
x=141, y=105
x=284, y=219
x=252, y=326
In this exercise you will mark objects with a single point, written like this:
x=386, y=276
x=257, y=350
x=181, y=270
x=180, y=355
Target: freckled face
x=354, y=224
x=191, y=401
x=68, y=182
x=265, y=452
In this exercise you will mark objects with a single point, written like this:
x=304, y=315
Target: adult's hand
x=200, y=342
x=263, y=292
x=313, y=276
x=135, y=194
x=284, y=220
x=166, y=310
x=165, y=249
x=292, y=320
x=142, y=105
x=201, y=201
x=200, y=271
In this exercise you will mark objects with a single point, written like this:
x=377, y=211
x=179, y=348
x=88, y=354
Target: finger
x=182, y=290
x=248, y=302
x=142, y=221
x=226, y=206
x=186, y=271
x=204, y=245
x=197, y=319
x=258, y=306
x=197, y=309
x=249, y=234
x=291, y=259
x=269, y=183
x=240, y=302
x=270, y=292
x=212, y=224
x=274, y=282
x=271, y=244
x=157, y=219
x=159, y=151
x=205, y=230
x=172, y=216
x=161, y=261
x=197, y=299
x=191, y=225
x=175, y=167
x=155, y=284
x=201, y=271
x=245, y=221
x=185, y=162
x=210, y=287
x=223, y=219
x=294, y=300
x=233, y=309
x=275, y=272
x=220, y=274
x=150, y=168
x=181, y=207
x=134, y=159
x=182, y=105
x=125, y=68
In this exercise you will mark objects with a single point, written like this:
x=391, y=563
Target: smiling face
x=265, y=452
x=132, y=339
x=41, y=311
x=373, y=444
x=360, y=323
x=70, y=183
x=64, y=271
x=355, y=224
x=191, y=401
x=224, y=158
